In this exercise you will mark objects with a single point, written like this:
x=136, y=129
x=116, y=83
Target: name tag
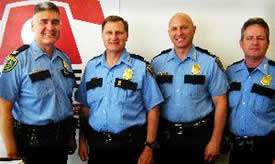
x=194, y=79
x=264, y=91
x=235, y=86
x=125, y=84
x=41, y=75
x=94, y=83
x=164, y=79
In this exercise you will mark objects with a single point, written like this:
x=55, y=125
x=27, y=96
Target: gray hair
x=46, y=6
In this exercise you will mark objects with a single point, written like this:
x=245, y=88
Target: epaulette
x=137, y=57
x=95, y=57
x=271, y=62
x=59, y=49
x=163, y=52
x=20, y=49
x=237, y=62
x=149, y=68
x=217, y=60
x=204, y=51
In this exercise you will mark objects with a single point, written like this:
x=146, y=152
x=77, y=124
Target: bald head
x=181, y=31
x=181, y=16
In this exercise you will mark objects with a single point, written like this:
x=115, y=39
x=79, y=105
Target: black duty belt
x=43, y=135
x=123, y=136
x=180, y=127
x=250, y=143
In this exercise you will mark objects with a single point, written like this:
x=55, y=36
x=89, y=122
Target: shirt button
x=243, y=103
x=177, y=90
x=249, y=77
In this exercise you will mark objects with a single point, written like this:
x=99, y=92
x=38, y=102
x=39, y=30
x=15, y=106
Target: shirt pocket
x=41, y=83
x=263, y=97
x=94, y=90
x=166, y=91
x=234, y=97
x=69, y=85
x=43, y=88
x=195, y=85
x=262, y=104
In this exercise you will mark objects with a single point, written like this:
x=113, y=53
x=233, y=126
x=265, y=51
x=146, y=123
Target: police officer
x=35, y=95
x=251, y=97
x=194, y=88
x=121, y=98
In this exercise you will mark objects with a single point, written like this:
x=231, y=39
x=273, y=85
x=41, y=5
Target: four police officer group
x=178, y=108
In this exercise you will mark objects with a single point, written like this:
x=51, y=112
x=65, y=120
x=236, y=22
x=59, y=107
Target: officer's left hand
x=146, y=156
x=212, y=151
x=72, y=145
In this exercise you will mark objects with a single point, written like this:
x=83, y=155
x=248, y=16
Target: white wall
x=218, y=24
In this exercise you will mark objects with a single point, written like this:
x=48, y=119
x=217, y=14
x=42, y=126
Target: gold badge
x=11, y=62
x=196, y=69
x=66, y=66
x=266, y=80
x=128, y=74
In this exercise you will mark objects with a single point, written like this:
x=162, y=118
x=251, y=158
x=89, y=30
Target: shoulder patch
x=237, y=62
x=271, y=62
x=10, y=63
x=11, y=60
x=149, y=69
x=218, y=61
x=163, y=52
x=137, y=57
x=204, y=51
x=20, y=49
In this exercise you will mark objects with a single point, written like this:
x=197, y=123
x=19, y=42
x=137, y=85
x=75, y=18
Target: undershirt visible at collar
x=250, y=69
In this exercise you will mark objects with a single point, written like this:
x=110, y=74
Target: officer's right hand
x=83, y=150
x=146, y=156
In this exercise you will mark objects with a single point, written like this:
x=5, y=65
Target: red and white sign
x=16, y=15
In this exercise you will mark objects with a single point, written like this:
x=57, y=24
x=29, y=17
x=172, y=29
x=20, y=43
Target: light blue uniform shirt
x=45, y=100
x=187, y=102
x=113, y=109
x=251, y=113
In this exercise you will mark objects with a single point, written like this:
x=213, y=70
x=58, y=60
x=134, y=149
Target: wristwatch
x=151, y=145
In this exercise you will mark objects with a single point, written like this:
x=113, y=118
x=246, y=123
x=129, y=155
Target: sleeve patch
x=11, y=62
x=218, y=61
x=149, y=69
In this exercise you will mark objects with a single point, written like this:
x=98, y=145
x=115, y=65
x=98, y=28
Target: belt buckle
x=107, y=137
x=179, y=129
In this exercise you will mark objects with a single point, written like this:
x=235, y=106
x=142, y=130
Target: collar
x=263, y=67
x=192, y=54
x=37, y=51
x=124, y=58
